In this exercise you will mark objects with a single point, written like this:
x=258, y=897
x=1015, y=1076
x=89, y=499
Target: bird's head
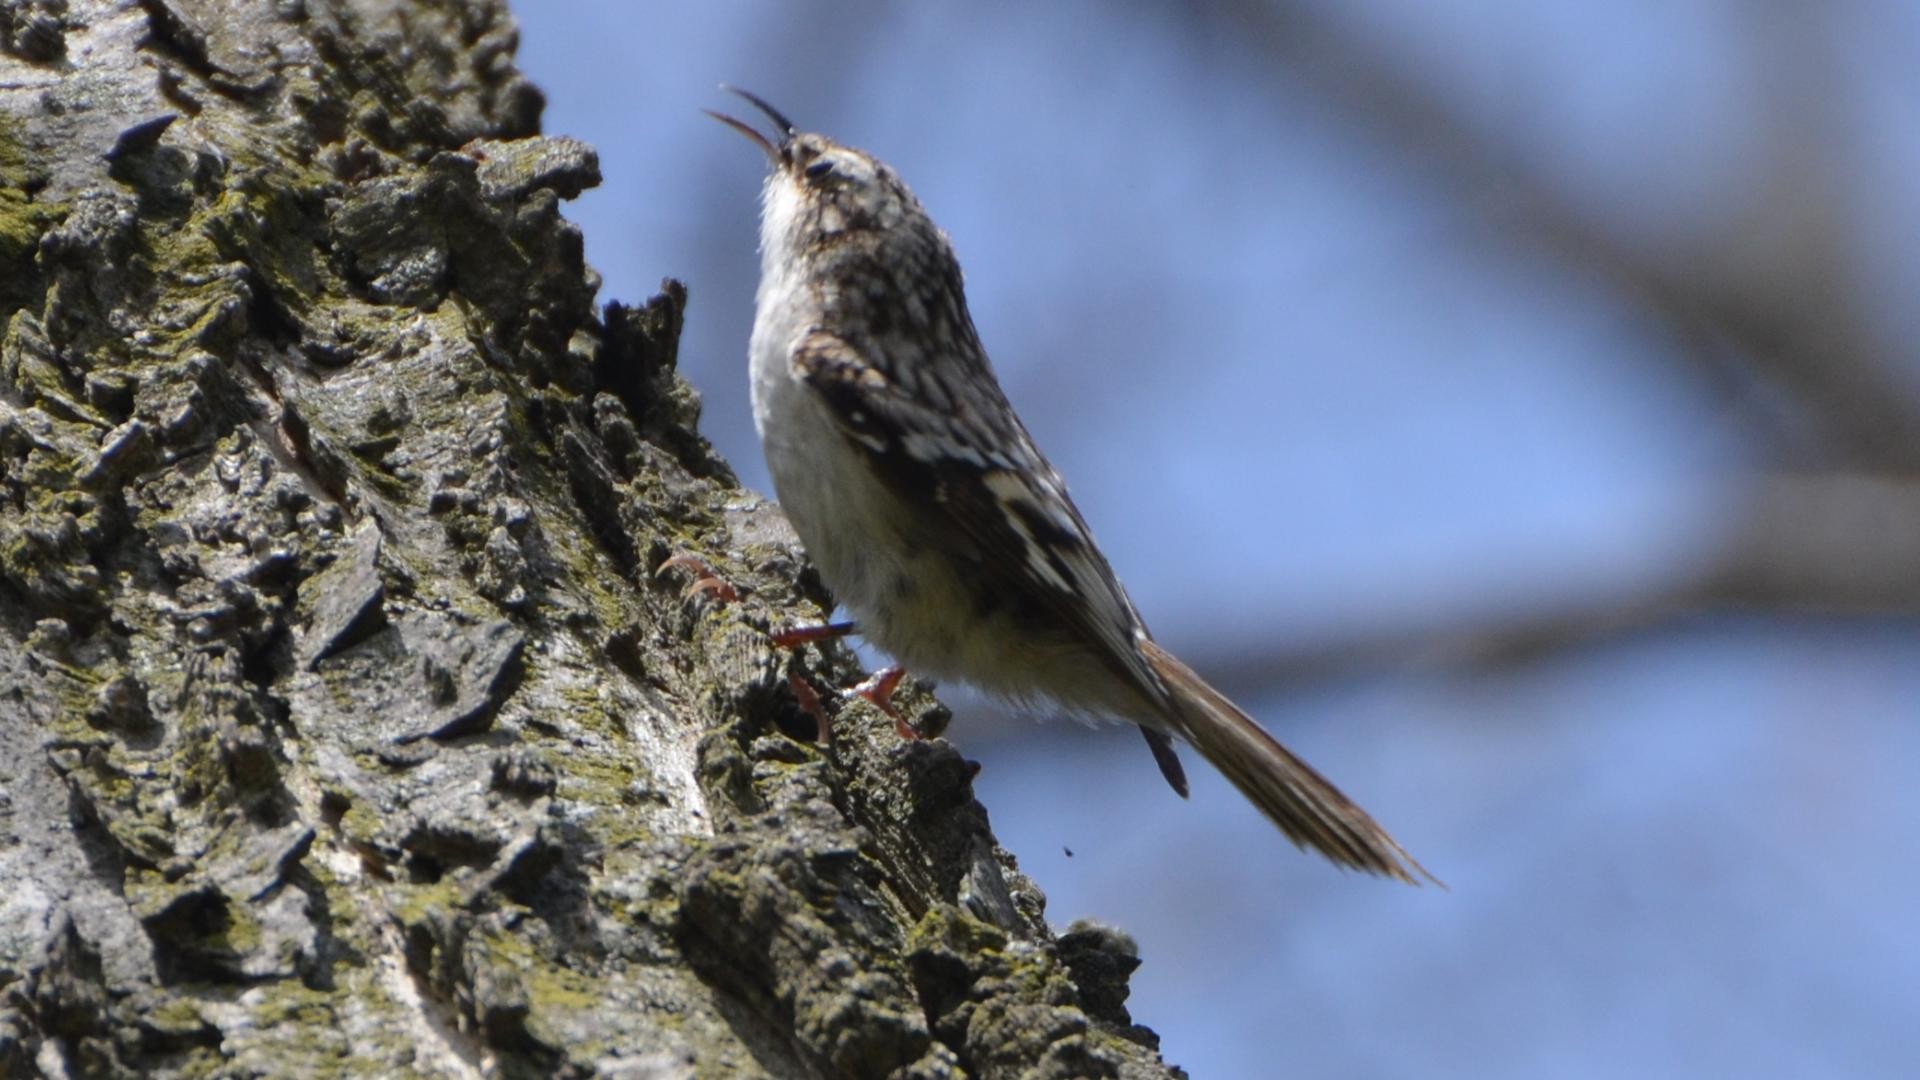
x=820, y=192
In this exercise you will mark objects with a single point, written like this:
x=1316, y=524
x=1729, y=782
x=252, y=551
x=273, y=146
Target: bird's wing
x=964, y=462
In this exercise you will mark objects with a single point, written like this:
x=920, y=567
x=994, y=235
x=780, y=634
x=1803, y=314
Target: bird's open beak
x=784, y=127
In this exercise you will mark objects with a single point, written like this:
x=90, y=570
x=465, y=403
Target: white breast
x=821, y=479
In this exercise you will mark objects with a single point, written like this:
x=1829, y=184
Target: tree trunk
x=346, y=725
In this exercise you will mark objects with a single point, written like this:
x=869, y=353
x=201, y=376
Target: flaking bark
x=345, y=727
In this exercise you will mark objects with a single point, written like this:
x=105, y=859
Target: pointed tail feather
x=1163, y=755
x=1309, y=810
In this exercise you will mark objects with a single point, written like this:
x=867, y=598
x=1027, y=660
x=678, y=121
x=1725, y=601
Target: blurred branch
x=1826, y=544
x=1773, y=295
x=1835, y=543
x=1776, y=287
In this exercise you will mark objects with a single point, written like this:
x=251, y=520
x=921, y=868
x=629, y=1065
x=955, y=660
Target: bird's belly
x=913, y=598
x=911, y=601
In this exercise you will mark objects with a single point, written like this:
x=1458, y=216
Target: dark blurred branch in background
x=1765, y=307
x=1805, y=544
x=1832, y=544
x=1776, y=286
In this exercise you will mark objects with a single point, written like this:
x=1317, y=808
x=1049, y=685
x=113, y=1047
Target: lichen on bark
x=346, y=726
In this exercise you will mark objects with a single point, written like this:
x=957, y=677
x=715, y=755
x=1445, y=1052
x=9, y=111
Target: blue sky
x=1312, y=391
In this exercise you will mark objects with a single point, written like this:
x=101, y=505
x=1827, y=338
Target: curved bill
x=780, y=122
x=744, y=128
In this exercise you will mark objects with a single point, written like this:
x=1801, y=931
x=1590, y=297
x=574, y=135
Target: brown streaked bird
x=930, y=512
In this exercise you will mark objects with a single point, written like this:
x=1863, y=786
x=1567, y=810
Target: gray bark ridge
x=345, y=724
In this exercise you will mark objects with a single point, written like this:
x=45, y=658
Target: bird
x=933, y=517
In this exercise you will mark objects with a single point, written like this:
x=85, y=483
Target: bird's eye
x=819, y=168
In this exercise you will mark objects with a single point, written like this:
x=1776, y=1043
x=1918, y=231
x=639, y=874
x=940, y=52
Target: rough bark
x=345, y=726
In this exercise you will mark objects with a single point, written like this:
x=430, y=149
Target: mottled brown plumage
x=931, y=513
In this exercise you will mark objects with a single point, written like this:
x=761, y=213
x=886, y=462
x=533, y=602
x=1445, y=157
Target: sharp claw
x=683, y=561
x=706, y=581
x=712, y=586
x=810, y=704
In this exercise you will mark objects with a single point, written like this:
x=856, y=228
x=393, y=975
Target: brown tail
x=1311, y=811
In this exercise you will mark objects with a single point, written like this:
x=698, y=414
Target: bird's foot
x=878, y=688
x=706, y=580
